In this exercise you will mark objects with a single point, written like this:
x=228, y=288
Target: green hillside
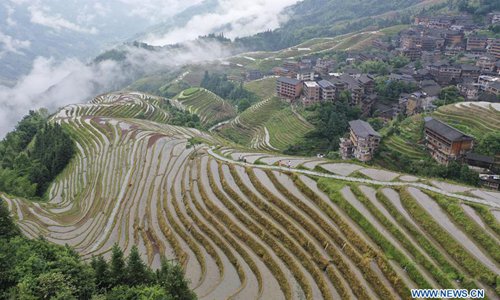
x=211, y=108
x=269, y=125
x=403, y=142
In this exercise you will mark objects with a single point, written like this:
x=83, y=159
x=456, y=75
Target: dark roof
x=365, y=78
x=362, y=128
x=480, y=158
x=470, y=68
x=289, y=80
x=325, y=84
x=445, y=130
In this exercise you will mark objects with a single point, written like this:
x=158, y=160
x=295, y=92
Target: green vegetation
x=486, y=216
x=489, y=144
x=37, y=269
x=426, y=244
x=332, y=188
x=263, y=88
x=331, y=121
x=179, y=117
x=403, y=150
x=284, y=127
x=419, y=258
x=454, y=248
x=232, y=92
x=481, y=7
x=449, y=95
x=210, y=108
x=457, y=214
x=320, y=18
x=389, y=90
x=33, y=155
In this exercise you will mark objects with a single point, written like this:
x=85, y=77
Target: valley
x=275, y=226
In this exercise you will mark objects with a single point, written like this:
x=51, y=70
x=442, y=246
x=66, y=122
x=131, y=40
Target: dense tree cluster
x=181, y=117
x=37, y=269
x=489, y=144
x=481, y=7
x=449, y=95
x=331, y=122
x=389, y=90
x=228, y=90
x=33, y=155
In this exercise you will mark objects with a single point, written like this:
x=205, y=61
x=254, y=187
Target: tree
x=102, y=273
x=118, y=269
x=7, y=227
x=489, y=144
x=137, y=272
x=171, y=277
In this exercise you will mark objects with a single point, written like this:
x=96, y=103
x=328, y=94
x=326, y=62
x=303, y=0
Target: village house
x=494, y=48
x=486, y=63
x=494, y=88
x=445, y=74
x=362, y=142
x=476, y=44
x=306, y=74
x=470, y=72
x=469, y=90
x=311, y=93
x=494, y=18
x=444, y=142
x=484, y=81
x=288, y=88
x=327, y=91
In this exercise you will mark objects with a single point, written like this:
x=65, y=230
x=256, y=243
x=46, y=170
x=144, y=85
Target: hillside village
x=439, y=60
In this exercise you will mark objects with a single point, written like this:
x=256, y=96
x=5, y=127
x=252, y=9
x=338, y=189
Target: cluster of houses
x=299, y=81
x=442, y=51
x=432, y=40
x=430, y=43
x=443, y=142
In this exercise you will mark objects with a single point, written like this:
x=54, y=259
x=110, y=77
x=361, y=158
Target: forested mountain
x=317, y=18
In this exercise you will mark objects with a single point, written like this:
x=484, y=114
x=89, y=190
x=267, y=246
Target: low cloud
x=157, y=10
x=53, y=84
x=41, y=16
x=10, y=44
x=234, y=17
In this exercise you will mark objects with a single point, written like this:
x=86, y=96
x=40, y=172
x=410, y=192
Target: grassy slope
x=284, y=127
x=209, y=107
x=474, y=120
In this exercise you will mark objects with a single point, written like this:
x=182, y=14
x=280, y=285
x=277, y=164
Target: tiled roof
x=362, y=128
x=445, y=130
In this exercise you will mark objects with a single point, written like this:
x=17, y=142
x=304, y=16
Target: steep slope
x=211, y=108
x=248, y=231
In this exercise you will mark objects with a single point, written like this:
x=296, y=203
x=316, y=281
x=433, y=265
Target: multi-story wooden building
x=288, y=88
x=444, y=142
x=362, y=142
x=494, y=48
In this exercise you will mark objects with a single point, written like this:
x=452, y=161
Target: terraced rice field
x=474, y=118
x=267, y=125
x=211, y=108
x=407, y=140
x=256, y=231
